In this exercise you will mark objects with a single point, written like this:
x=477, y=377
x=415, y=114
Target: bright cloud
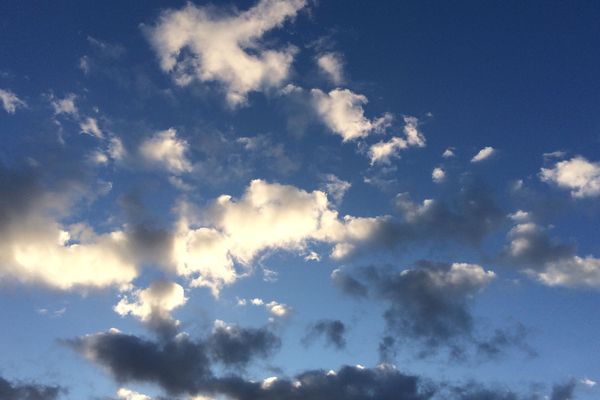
x=438, y=175
x=165, y=149
x=384, y=151
x=578, y=174
x=153, y=304
x=197, y=43
x=65, y=105
x=10, y=101
x=483, y=154
x=90, y=126
x=342, y=112
x=126, y=394
x=331, y=64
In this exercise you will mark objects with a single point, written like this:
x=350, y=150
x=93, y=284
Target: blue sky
x=294, y=199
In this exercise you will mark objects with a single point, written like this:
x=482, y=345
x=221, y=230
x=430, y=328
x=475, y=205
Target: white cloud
x=224, y=48
x=155, y=302
x=571, y=272
x=483, y=154
x=10, y=101
x=126, y=394
x=312, y=256
x=382, y=152
x=268, y=216
x=278, y=309
x=166, y=150
x=336, y=187
x=331, y=64
x=90, y=127
x=448, y=153
x=116, y=149
x=438, y=175
x=65, y=105
x=579, y=175
x=589, y=382
x=342, y=112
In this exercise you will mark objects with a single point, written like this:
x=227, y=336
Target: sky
x=299, y=199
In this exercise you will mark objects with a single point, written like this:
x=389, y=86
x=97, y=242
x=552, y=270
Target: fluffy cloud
x=546, y=260
x=579, y=175
x=438, y=175
x=37, y=248
x=483, y=154
x=342, y=112
x=268, y=216
x=89, y=126
x=197, y=43
x=332, y=66
x=382, y=152
x=336, y=187
x=166, y=150
x=10, y=101
x=154, y=304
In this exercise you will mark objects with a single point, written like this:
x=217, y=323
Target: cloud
x=341, y=110
x=430, y=305
x=154, y=304
x=126, y=394
x=208, y=45
x=10, y=101
x=166, y=150
x=235, y=346
x=483, y=154
x=550, y=262
x=589, y=382
x=183, y=367
x=564, y=391
x=90, y=126
x=65, y=105
x=332, y=66
x=28, y=391
x=382, y=152
x=438, y=175
x=335, y=187
x=578, y=174
x=448, y=153
x=37, y=248
x=333, y=331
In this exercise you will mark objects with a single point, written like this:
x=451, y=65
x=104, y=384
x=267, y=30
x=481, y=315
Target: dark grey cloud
x=28, y=391
x=563, y=391
x=466, y=217
x=333, y=331
x=430, y=304
x=179, y=364
x=232, y=345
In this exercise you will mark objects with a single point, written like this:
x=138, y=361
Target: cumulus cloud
x=448, y=153
x=154, y=304
x=268, y=216
x=28, y=391
x=10, y=101
x=341, y=110
x=333, y=331
x=580, y=176
x=90, y=126
x=37, y=248
x=200, y=43
x=483, y=154
x=332, y=66
x=382, y=152
x=166, y=150
x=438, y=175
x=547, y=260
